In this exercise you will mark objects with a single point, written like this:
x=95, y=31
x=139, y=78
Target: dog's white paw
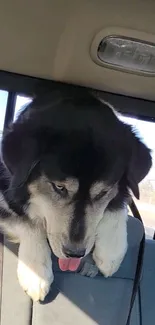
x=107, y=266
x=34, y=272
x=35, y=286
x=111, y=242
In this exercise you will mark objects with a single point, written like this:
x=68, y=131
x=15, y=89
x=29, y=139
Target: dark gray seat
x=79, y=300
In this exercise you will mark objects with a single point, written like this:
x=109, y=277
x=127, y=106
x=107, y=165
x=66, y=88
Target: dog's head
x=70, y=157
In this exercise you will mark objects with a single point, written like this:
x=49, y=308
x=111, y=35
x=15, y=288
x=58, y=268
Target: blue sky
x=146, y=130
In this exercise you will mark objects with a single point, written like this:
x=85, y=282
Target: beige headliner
x=52, y=39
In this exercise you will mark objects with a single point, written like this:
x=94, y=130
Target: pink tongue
x=70, y=264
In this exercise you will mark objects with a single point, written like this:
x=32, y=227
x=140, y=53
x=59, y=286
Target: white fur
x=34, y=265
x=34, y=258
x=56, y=213
x=111, y=242
x=51, y=220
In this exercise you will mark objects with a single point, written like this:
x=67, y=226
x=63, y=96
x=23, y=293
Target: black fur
x=70, y=133
x=4, y=178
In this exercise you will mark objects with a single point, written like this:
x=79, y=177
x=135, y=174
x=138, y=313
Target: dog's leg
x=34, y=259
x=111, y=241
x=34, y=264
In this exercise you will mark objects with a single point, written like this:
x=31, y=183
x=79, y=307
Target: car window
x=21, y=101
x=146, y=204
x=3, y=104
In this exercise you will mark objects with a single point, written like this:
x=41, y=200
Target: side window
x=3, y=104
x=21, y=101
x=10, y=110
x=146, y=204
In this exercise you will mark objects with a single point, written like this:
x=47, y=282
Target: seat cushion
x=93, y=301
x=16, y=306
x=86, y=301
x=74, y=299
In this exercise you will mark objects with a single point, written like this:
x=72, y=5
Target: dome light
x=127, y=54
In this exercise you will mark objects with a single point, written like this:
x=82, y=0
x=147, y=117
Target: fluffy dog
x=68, y=166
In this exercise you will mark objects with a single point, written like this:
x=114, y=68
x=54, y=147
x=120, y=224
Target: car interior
x=109, y=47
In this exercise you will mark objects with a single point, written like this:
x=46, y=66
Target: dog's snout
x=74, y=253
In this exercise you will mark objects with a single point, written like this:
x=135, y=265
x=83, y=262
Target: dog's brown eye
x=60, y=189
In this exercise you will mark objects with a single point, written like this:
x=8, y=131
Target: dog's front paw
x=88, y=267
x=34, y=285
x=35, y=273
x=111, y=242
x=107, y=266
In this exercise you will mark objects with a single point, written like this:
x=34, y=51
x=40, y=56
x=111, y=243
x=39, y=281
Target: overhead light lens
x=129, y=54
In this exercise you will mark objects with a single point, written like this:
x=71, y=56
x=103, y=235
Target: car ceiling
x=54, y=39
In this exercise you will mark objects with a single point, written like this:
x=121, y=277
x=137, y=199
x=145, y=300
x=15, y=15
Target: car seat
x=79, y=300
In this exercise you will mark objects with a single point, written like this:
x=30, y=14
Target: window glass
x=21, y=101
x=3, y=103
x=146, y=204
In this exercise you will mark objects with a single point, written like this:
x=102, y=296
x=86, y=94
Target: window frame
x=27, y=86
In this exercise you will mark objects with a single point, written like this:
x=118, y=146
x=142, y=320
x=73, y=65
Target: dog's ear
x=140, y=163
x=18, y=152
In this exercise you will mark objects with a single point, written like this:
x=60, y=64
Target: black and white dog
x=68, y=165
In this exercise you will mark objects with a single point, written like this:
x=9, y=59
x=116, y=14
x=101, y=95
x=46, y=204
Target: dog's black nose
x=75, y=253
